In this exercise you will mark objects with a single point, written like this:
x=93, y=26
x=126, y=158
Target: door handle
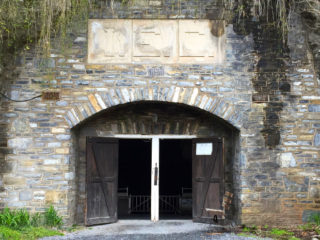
x=155, y=182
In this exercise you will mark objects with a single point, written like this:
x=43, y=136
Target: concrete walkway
x=147, y=230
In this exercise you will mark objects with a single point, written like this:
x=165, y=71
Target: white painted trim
x=155, y=188
x=140, y=136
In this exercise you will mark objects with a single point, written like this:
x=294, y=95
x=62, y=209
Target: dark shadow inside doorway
x=134, y=179
x=175, y=179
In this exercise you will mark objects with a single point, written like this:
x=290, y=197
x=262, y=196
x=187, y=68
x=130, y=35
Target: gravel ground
x=147, y=230
x=182, y=236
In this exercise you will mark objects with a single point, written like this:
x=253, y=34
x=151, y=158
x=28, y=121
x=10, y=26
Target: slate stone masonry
x=275, y=185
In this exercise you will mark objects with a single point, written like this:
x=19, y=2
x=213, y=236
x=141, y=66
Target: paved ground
x=147, y=230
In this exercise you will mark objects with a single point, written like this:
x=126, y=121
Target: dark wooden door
x=102, y=180
x=207, y=177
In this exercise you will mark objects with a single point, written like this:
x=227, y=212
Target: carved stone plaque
x=198, y=44
x=155, y=41
x=110, y=41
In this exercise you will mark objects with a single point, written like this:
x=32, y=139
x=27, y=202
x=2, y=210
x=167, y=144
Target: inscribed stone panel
x=110, y=41
x=197, y=42
x=155, y=41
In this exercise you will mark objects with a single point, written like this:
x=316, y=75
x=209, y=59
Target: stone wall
x=275, y=109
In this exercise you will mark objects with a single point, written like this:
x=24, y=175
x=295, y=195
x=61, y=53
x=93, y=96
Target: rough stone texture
x=155, y=41
x=269, y=97
x=25, y=196
x=287, y=160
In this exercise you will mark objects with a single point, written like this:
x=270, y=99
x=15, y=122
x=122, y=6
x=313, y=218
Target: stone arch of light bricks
x=99, y=101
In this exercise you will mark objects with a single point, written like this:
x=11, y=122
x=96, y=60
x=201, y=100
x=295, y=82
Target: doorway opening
x=134, y=185
x=150, y=126
x=175, y=200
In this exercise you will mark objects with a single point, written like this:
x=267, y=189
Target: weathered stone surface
x=25, y=196
x=314, y=108
x=58, y=130
x=314, y=192
x=20, y=125
x=198, y=44
x=63, y=137
x=80, y=40
x=94, y=103
x=296, y=184
x=54, y=197
x=20, y=142
x=155, y=41
x=287, y=160
x=317, y=139
x=69, y=176
x=13, y=180
x=62, y=150
x=110, y=41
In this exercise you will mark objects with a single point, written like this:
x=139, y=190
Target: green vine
x=27, y=22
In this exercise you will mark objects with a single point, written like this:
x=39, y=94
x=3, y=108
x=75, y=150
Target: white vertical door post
x=155, y=180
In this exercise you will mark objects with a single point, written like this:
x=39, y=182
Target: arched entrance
x=192, y=155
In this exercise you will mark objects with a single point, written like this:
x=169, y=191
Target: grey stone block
x=292, y=186
x=314, y=108
x=20, y=142
x=10, y=115
x=63, y=137
x=25, y=196
x=317, y=139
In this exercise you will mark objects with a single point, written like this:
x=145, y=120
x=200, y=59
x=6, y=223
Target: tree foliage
x=25, y=22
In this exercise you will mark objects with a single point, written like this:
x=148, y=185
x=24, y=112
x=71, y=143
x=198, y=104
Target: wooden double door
x=102, y=178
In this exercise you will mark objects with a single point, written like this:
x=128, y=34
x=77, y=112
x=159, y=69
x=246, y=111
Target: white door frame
x=155, y=164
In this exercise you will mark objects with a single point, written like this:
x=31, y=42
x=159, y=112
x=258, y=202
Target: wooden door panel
x=96, y=205
x=211, y=200
x=107, y=151
x=101, y=183
x=207, y=176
